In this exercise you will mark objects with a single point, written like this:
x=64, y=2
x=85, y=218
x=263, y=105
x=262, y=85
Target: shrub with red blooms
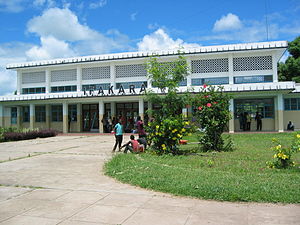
x=212, y=113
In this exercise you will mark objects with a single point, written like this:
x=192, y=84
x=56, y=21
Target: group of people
x=245, y=121
x=133, y=145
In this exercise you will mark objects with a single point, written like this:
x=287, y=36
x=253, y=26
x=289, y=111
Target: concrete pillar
x=280, y=126
x=189, y=77
x=274, y=68
x=1, y=116
x=48, y=116
x=141, y=108
x=19, y=117
x=79, y=117
x=32, y=115
x=101, y=115
x=79, y=78
x=231, y=121
x=65, y=118
x=113, y=75
x=19, y=82
x=48, y=81
x=113, y=109
x=184, y=113
x=230, y=69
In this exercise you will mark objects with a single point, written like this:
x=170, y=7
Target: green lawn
x=240, y=175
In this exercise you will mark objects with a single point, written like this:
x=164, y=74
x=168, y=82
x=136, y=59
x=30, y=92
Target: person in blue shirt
x=118, y=135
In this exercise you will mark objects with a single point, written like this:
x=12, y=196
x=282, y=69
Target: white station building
x=79, y=94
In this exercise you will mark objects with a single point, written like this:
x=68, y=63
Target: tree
x=290, y=70
x=167, y=126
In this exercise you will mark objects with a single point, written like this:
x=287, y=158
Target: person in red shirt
x=133, y=146
x=140, y=128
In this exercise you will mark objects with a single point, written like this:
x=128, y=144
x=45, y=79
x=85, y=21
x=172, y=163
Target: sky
x=45, y=29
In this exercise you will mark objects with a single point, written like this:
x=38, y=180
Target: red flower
x=204, y=85
x=208, y=104
x=215, y=102
x=199, y=108
x=206, y=96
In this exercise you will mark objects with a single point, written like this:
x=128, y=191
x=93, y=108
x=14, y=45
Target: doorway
x=90, y=117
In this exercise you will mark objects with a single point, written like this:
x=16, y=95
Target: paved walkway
x=60, y=181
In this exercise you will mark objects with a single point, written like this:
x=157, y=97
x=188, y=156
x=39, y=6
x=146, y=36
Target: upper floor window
x=88, y=87
x=210, y=65
x=292, y=104
x=64, y=88
x=253, y=79
x=210, y=81
x=36, y=90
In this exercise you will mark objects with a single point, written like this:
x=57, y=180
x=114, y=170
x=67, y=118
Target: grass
x=240, y=175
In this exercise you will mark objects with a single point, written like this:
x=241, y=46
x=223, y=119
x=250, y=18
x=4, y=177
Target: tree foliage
x=290, y=70
x=167, y=126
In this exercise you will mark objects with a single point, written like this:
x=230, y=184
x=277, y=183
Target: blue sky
x=44, y=29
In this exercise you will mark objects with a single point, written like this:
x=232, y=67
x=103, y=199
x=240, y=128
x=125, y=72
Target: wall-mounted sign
x=111, y=91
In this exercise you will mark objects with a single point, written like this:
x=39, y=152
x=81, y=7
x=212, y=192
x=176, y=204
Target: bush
x=283, y=154
x=212, y=113
x=28, y=134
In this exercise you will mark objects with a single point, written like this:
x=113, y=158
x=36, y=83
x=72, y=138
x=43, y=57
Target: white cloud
x=160, y=40
x=50, y=48
x=10, y=53
x=39, y=3
x=62, y=24
x=14, y=6
x=228, y=22
x=98, y=4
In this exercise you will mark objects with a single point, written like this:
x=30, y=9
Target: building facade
x=80, y=94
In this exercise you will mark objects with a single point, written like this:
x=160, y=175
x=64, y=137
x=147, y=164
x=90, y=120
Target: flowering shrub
x=28, y=134
x=212, y=113
x=165, y=134
x=283, y=155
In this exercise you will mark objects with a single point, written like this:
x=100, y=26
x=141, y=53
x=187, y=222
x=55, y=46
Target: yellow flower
x=157, y=126
x=174, y=138
x=179, y=135
x=173, y=131
x=183, y=130
x=156, y=133
x=275, y=156
x=298, y=135
x=187, y=123
x=163, y=145
x=278, y=147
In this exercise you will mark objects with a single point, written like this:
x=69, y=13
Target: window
x=183, y=83
x=210, y=81
x=127, y=84
x=96, y=87
x=40, y=113
x=56, y=113
x=265, y=106
x=292, y=104
x=26, y=114
x=36, y=90
x=72, y=110
x=13, y=115
x=253, y=79
x=64, y=88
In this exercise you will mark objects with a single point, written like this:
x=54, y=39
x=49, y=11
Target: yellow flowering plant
x=283, y=154
x=165, y=134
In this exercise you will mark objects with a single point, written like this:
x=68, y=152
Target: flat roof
x=132, y=55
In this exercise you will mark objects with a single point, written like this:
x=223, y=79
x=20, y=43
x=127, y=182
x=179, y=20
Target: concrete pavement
x=59, y=180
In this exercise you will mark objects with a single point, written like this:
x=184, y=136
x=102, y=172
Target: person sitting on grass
x=133, y=146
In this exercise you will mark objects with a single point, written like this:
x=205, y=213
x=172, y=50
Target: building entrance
x=90, y=117
x=128, y=113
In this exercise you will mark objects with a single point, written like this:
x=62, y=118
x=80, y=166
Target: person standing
x=118, y=135
x=248, y=119
x=258, y=118
x=140, y=128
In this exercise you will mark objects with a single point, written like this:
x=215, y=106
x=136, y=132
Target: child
x=133, y=146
